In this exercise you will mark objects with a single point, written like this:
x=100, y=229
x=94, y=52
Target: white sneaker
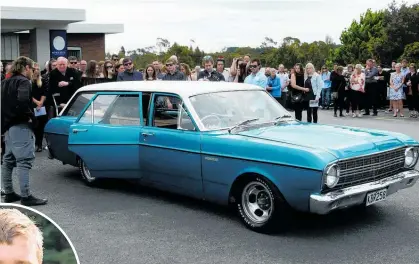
x=353, y=115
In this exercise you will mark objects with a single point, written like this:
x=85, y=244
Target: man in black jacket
x=17, y=122
x=210, y=74
x=63, y=81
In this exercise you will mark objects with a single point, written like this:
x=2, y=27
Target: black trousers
x=312, y=114
x=283, y=99
x=356, y=100
x=288, y=103
x=370, y=98
x=39, y=130
x=410, y=102
x=339, y=103
x=347, y=99
x=298, y=109
x=382, y=95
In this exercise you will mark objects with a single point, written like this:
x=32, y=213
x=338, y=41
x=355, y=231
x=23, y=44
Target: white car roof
x=182, y=88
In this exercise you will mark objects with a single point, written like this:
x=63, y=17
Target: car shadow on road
x=302, y=225
x=311, y=225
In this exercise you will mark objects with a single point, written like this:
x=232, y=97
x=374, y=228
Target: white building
x=43, y=33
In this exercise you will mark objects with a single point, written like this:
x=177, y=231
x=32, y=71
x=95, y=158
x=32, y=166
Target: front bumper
x=355, y=195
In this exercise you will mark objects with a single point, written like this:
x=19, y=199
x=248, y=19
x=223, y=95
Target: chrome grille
x=370, y=168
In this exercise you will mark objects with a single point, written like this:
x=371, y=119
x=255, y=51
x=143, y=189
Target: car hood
x=341, y=141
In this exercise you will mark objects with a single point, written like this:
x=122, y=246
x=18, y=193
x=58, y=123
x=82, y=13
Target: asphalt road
x=125, y=223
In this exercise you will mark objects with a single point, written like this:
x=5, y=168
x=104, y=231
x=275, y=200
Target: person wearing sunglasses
x=209, y=73
x=129, y=74
x=74, y=64
x=115, y=58
x=256, y=77
x=173, y=74
x=109, y=71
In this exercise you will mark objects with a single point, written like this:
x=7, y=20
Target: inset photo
x=29, y=237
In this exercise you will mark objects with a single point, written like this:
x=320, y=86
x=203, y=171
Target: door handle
x=147, y=134
x=75, y=131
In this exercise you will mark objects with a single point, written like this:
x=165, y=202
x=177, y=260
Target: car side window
x=97, y=109
x=169, y=112
x=78, y=103
x=125, y=111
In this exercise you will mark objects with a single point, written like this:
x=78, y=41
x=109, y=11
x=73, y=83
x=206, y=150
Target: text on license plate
x=376, y=196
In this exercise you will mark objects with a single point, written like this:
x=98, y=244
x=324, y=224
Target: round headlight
x=332, y=175
x=410, y=157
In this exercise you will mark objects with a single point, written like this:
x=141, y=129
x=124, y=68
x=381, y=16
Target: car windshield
x=222, y=110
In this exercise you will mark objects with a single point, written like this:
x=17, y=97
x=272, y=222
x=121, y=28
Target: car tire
x=88, y=179
x=261, y=207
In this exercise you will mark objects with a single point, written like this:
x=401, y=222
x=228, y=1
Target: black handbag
x=297, y=98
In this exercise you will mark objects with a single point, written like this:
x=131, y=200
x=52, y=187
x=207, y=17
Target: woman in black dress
x=411, y=81
x=38, y=101
x=298, y=91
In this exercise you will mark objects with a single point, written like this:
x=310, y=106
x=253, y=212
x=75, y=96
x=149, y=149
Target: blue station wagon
x=230, y=144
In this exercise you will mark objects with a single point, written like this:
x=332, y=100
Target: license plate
x=377, y=196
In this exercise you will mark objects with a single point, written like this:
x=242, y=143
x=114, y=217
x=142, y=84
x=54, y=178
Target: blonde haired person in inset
x=21, y=240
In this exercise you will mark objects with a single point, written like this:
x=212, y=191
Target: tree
x=121, y=52
x=411, y=52
x=162, y=44
x=57, y=249
x=268, y=43
x=358, y=40
x=329, y=40
x=401, y=28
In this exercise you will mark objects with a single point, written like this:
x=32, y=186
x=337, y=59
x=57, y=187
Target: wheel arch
x=244, y=178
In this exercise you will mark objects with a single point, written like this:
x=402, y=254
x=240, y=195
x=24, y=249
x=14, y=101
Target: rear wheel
x=85, y=174
x=261, y=206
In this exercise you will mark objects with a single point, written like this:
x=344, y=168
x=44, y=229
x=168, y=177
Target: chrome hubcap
x=257, y=202
x=86, y=172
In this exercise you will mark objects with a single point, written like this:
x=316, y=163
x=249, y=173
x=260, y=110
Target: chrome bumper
x=355, y=195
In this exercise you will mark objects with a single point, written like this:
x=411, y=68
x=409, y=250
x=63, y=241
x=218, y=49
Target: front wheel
x=261, y=206
x=86, y=175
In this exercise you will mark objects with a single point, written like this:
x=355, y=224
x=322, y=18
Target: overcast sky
x=215, y=24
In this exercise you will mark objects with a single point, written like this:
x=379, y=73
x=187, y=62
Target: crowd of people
x=31, y=96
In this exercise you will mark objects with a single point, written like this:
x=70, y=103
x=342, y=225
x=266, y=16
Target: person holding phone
x=109, y=72
x=313, y=84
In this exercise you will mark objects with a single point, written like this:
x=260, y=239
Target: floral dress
x=397, y=79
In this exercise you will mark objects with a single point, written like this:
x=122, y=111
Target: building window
x=74, y=51
x=9, y=47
